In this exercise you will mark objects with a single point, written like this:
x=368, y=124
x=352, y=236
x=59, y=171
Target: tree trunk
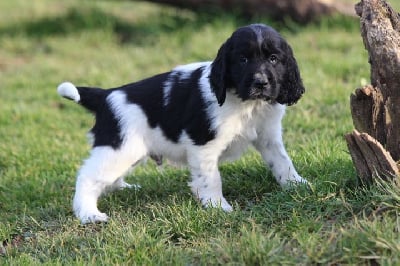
x=376, y=108
x=299, y=10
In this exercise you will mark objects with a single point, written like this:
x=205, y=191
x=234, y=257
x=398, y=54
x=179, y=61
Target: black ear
x=218, y=75
x=292, y=88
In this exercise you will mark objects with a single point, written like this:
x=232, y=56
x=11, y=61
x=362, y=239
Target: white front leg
x=206, y=182
x=276, y=158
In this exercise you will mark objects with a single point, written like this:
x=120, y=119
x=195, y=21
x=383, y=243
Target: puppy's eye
x=273, y=59
x=243, y=60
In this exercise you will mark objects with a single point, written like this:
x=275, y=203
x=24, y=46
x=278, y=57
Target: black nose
x=260, y=84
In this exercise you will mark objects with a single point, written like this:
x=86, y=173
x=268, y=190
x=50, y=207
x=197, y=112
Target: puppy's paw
x=299, y=180
x=88, y=213
x=296, y=182
x=292, y=180
x=226, y=206
x=121, y=184
x=97, y=217
x=217, y=202
x=124, y=185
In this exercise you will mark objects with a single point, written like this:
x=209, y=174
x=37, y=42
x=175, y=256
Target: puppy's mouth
x=264, y=94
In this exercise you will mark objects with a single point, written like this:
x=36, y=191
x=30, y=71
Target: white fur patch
x=184, y=71
x=68, y=90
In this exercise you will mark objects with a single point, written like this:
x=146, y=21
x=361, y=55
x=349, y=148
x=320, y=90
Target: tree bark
x=299, y=10
x=376, y=108
x=367, y=110
x=370, y=158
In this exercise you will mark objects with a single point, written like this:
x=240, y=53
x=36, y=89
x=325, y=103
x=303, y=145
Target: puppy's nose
x=261, y=83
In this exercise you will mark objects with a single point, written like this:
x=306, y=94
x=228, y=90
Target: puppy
x=198, y=114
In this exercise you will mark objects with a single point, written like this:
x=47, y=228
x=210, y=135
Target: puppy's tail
x=91, y=98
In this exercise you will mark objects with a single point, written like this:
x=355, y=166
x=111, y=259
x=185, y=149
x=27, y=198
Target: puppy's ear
x=292, y=87
x=218, y=75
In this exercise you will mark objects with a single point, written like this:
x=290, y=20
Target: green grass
x=108, y=43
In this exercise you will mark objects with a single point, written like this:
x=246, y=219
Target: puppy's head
x=257, y=63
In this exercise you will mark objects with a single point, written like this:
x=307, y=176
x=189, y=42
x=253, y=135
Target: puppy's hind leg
x=101, y=170
x=120, y=183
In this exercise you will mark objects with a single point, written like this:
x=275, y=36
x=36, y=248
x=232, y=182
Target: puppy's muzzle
x=262, y=88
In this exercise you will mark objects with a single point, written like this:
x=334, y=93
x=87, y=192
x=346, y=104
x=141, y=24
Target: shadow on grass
x=167, y=21
x=246, y=183
x=77, y=20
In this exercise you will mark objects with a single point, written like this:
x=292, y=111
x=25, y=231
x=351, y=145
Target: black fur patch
x=106, y=130
x=185, y=110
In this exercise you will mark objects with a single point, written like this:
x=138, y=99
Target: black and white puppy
x=198, y=114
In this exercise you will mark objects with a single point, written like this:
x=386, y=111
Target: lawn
x=109, y=43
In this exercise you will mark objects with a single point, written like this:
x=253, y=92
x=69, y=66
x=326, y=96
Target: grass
x=108, y=43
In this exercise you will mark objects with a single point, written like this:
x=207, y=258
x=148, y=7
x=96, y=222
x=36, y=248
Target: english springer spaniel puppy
x=198, y=114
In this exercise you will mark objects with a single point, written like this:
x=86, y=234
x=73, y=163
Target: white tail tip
x=69, y=91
